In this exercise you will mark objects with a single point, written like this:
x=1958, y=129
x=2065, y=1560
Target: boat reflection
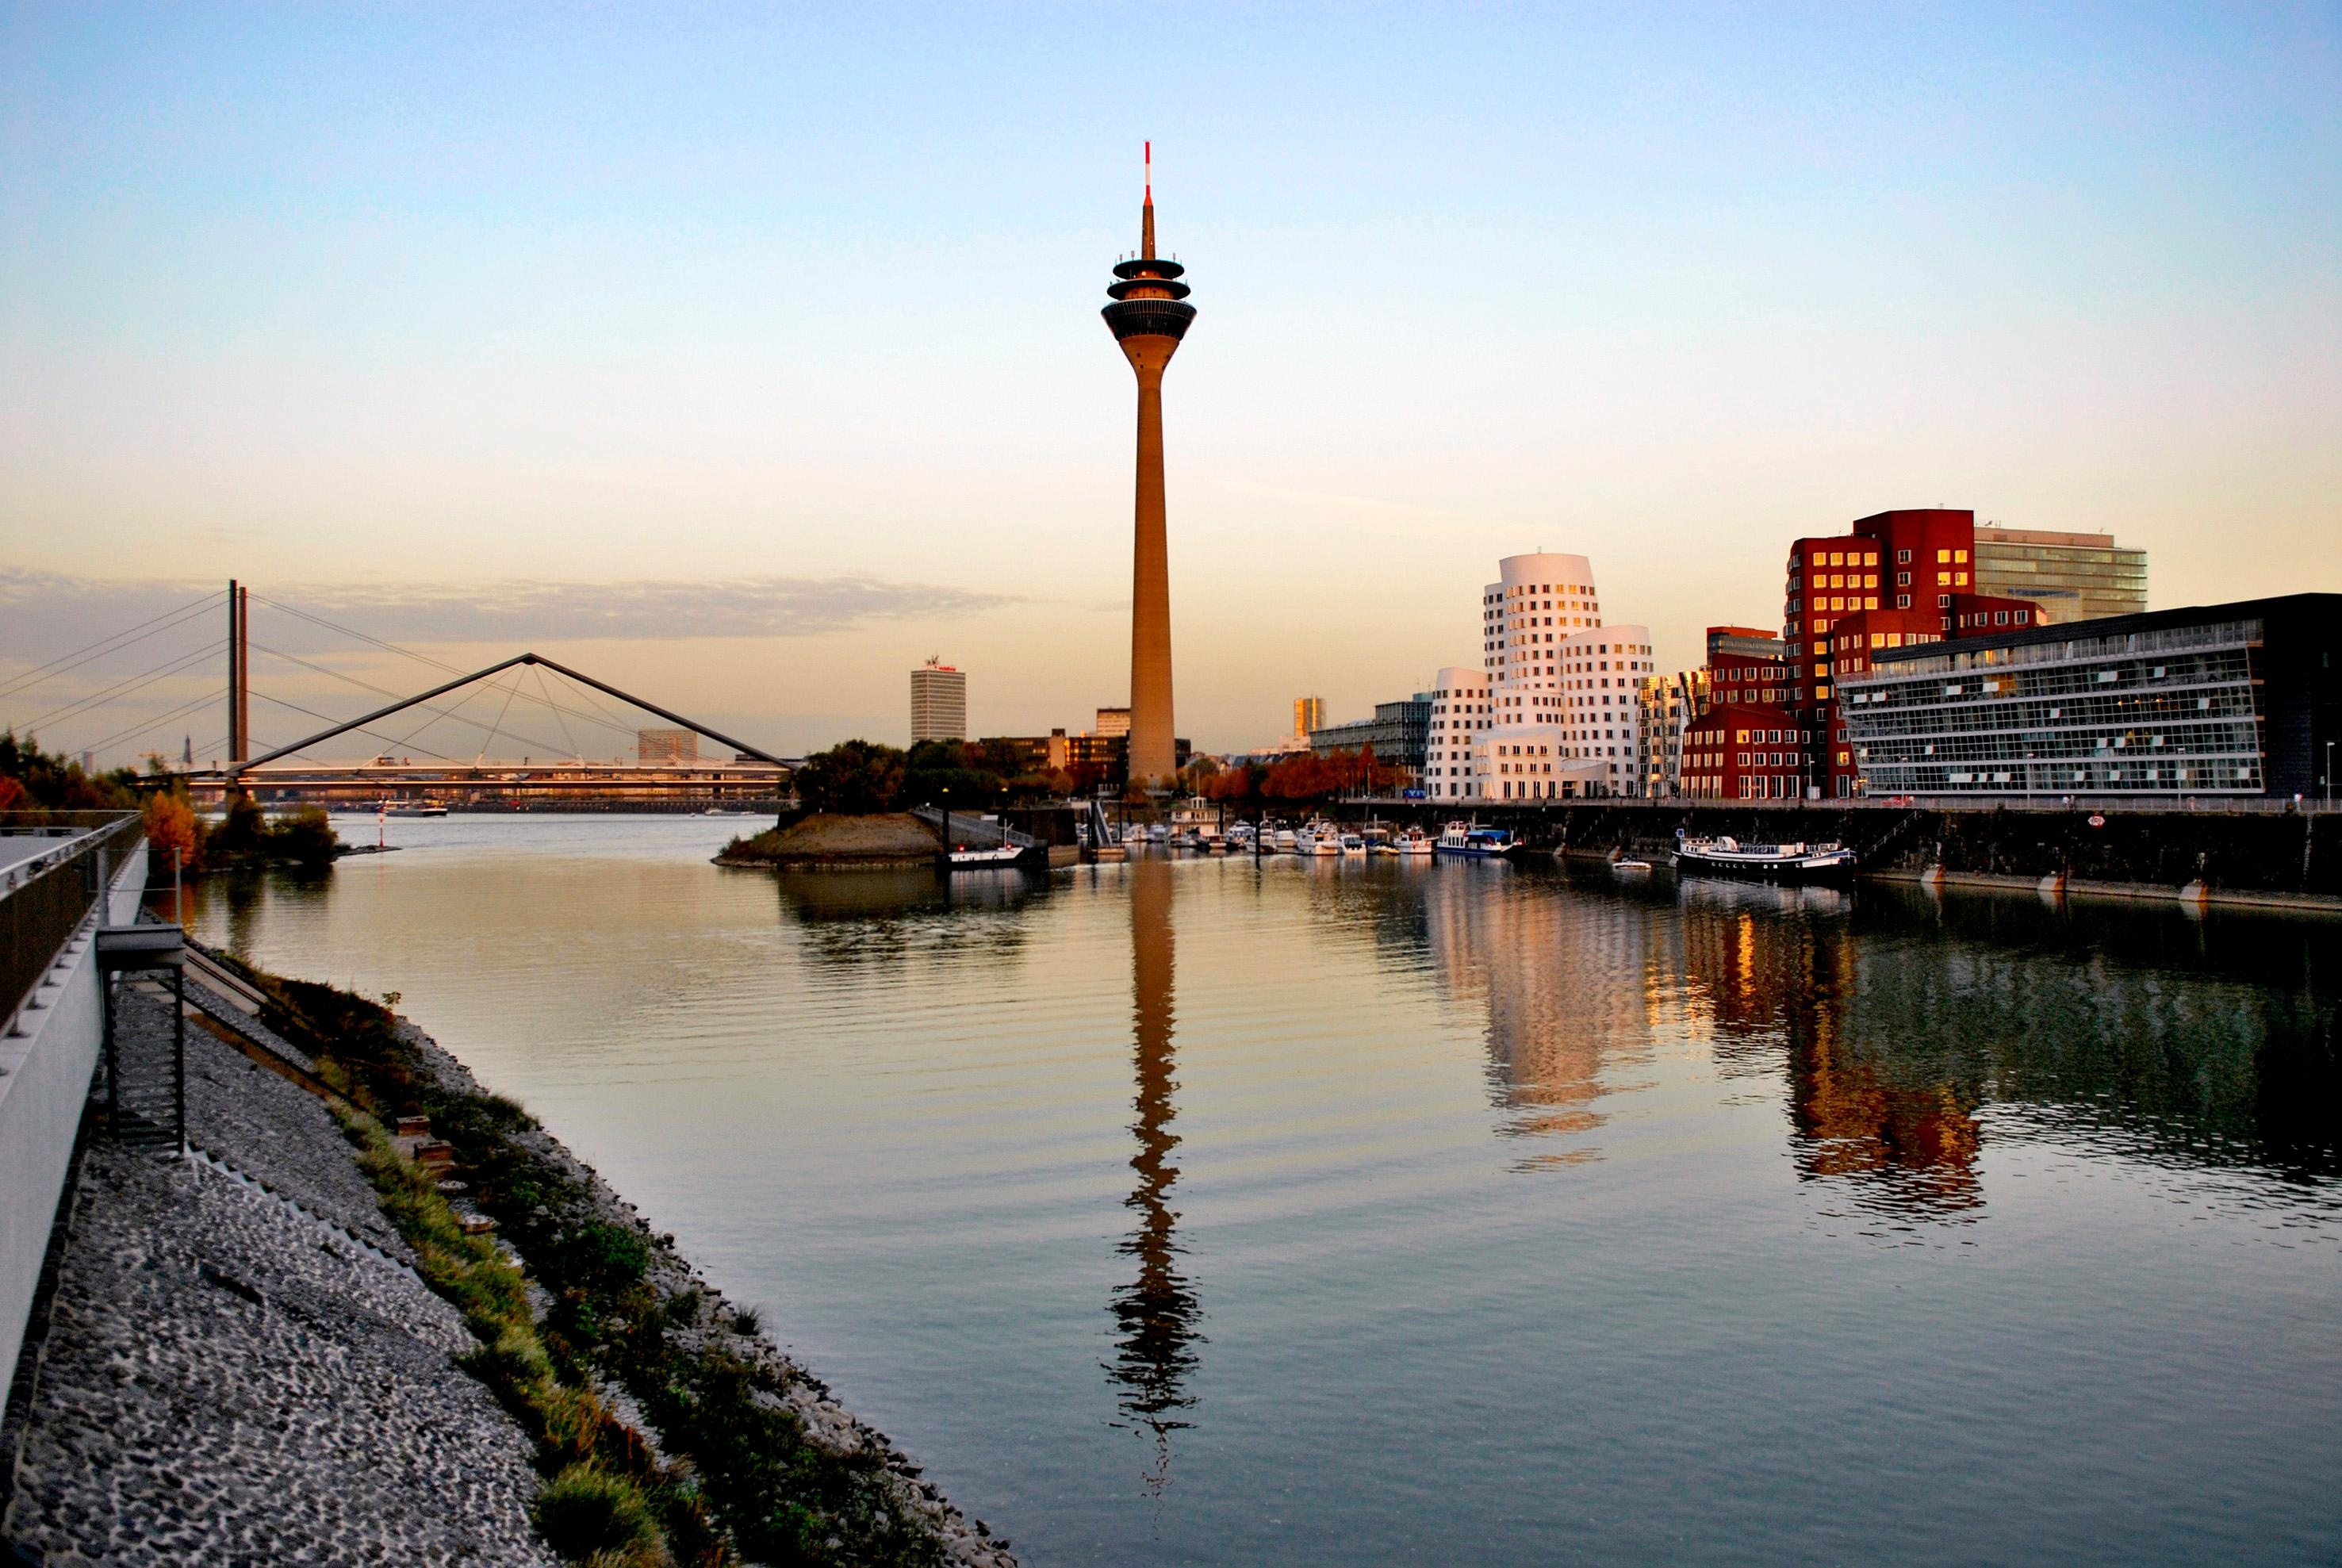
x=853, y=917
x=1156, y=1314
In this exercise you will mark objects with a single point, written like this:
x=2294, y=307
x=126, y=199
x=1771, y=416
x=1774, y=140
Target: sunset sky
x=747, y=355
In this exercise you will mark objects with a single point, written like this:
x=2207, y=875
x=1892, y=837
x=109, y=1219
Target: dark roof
x=2289, y=607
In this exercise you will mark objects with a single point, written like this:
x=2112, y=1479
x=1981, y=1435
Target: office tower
x=1148, y=318
x=2072, y=576
x=1308, y=714
x=666, y=746
x=939, y=702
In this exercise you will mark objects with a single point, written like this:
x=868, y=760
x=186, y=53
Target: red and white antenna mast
x=1146, y=214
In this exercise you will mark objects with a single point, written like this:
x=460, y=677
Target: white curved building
x=1564, y=721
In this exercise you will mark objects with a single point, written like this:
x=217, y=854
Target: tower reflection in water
x=1156, y=1314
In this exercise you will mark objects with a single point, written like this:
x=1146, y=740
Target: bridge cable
x=126, y=686
x=313, y=713
x=183, y=709
x=105, y=645
x=556, y=717
x=403, y=652
x=365, y=686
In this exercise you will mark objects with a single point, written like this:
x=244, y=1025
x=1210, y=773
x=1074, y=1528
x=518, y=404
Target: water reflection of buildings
x=1156, y=1314
x=1565, y=982
x=1775, y=972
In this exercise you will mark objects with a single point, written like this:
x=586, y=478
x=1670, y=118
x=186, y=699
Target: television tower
x=1148, y=319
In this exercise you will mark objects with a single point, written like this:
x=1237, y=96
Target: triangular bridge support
x=462, y=681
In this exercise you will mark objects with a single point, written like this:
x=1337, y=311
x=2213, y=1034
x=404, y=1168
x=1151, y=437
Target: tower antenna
x=1146, y=214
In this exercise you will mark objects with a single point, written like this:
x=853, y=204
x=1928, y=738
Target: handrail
x=934, y=815
x=46, y=899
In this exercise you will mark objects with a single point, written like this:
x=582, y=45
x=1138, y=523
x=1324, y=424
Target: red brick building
x=1747, y=666
x=1744, y=751
x=1910, y=561
x=1981, y=614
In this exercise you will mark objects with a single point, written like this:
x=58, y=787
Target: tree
x=172, y=826
x=853, y=778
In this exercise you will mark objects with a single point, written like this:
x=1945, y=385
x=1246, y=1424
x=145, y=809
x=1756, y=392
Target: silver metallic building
x=2221, y=699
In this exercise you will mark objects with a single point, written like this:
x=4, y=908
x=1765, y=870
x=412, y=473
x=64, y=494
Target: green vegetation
x=743, y=1480
x=853, y=778
x=862, y=778
x=33, y=781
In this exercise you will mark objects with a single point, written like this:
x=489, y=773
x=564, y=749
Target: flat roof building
x=2073, y=576
x=666, y=746
x=939, y=702
x=2236, y=699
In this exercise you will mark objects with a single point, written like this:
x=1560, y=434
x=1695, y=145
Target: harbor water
x=1362, y=1211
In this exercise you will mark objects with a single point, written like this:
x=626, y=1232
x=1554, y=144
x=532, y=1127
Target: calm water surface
x=1202, y=1211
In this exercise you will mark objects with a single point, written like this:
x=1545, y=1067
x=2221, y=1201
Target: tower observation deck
x=1149, y=317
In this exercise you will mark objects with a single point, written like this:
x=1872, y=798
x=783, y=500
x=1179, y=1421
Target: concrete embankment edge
x=45, y=1077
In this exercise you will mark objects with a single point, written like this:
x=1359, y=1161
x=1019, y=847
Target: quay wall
x=2287, y=854
x=45, y=1081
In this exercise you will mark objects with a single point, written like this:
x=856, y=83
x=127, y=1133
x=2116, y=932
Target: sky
x=747, y=355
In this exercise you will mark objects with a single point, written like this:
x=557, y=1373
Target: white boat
x=997, y=856
x=411, y=808
x=1318, y=838
x=1470, y=841
x=1353, y=843
x=1287, y=840
x=1412, y=844
x=1629, y=866
x=1798, y=861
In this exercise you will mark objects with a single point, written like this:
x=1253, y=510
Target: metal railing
x=46, y=896
x=975, y=826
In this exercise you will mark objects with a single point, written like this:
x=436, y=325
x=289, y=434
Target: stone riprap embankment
x=232, y=1374
x=828, y=1424
x=241, y=1366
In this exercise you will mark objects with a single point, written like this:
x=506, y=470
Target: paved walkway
x=236, y=1375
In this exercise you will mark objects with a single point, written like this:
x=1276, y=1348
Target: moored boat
x=1412, y=844
x=1797, y=861
x=1470, y=841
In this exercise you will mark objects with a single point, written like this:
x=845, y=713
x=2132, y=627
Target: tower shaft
x=1154, y=752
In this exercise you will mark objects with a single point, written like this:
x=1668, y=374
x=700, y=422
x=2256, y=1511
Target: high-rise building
x=1149, y=317
x=939, y=702
x=652, y=746
x=2072, y=576
x=1308, y=715
x=1113, y=722
x=1562, y=686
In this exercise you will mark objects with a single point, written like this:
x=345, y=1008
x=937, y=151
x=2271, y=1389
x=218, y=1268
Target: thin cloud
x=43, y=614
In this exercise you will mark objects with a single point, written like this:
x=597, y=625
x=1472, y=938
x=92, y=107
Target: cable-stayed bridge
x=526, y=731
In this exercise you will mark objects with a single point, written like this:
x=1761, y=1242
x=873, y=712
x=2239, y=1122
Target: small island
x=833, y=841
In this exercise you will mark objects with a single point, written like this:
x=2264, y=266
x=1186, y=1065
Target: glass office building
x=2225, y=699
x=2074, y=577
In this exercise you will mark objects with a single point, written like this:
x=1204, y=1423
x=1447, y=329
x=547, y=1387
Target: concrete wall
x=45, y=1078
x=2286, y=854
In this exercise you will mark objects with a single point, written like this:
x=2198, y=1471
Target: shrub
x=586, y=1512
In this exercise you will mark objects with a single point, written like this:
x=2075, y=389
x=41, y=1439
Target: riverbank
x=254, y=1355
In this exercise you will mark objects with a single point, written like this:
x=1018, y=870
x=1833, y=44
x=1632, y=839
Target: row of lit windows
x=2243, y=777
x=2241, y=737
